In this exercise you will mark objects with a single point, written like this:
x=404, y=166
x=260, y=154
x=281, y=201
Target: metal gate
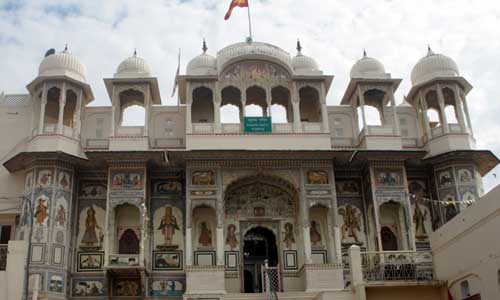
x=271, y=281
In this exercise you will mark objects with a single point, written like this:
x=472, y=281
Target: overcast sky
x=102, y=33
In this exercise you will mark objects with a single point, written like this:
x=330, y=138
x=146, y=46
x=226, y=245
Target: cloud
x=103, y=33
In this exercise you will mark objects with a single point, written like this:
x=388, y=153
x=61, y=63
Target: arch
x=231, y=106
x=391, y=216
x=204, y=222
x=127, y=224
x=202, y=108
x=135, y=116
x=69, y=109
x=374, y=97
x=256, y=96
x=261, y=196
x=275, y=67
x=433, y=117
x=52, y=106
x=281, y=106
x=451, y=114
x=373, y=116
x=309, y=105
x=389, y=239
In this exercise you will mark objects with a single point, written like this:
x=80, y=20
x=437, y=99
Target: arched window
x=281, y=107
x=278, y=113
x=451, y=115
x=230, y=107
x=253, y=110
x=69, y=109
x=373, y=117
x=133, y=115
x=309, y=106
x=256, y=98
x=52, y=106
x=434, y=119
x=202, y=108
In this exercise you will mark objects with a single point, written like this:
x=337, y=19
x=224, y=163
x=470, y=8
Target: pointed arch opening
x=202, y=108
x=281, y=106
x=310, y=105
x=231, y=109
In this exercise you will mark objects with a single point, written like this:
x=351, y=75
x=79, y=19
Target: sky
x=101, y=33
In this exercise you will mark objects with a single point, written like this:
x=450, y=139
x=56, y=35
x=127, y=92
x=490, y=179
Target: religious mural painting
x=167, y=188
x=167, y=260
x=91, y=230
x=205, y=235
x=200, y=178
x=90, y=262
x=315, y=233
x=289, y=235
x=347, y=187
x=352, y=228
x=28, y=181
x=64, y=180
x=255, y=71
x=126, y=287
x=388, y=177
x=465, y=174
x=445, y=178
x=88, y=287
x=127, y=180
x=168, y=225
x=421, y=208
x=166, y=287
x=317, y=177
x=232, y=237
x=45, y=177
x=56, y=283
x=92, y=189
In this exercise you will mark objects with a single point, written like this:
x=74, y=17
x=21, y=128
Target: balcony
x=402, y=266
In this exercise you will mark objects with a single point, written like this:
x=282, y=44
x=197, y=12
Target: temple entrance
x=129, y=243
x=389, y=240
x=259, y=245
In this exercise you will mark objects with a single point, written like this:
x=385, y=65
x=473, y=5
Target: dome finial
x=204, y=48
x=429, y=50
x=135, y=51
x=364, y=53
x=66, y=47
x=299, y=47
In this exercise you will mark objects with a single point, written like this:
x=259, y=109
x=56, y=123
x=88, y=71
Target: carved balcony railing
x=3, y=257
x=397, y=266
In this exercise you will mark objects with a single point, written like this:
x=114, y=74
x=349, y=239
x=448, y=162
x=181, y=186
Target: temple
x=251, y=188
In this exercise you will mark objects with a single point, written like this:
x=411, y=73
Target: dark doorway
x=389, y=240
x=129, y=243
x=259, y=245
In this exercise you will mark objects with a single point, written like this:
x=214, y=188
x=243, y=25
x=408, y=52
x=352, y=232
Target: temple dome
x=303, y=64
x=62, y=64
x=133, y=67
x=433, y=66
x=368, y=67
x=203, y=64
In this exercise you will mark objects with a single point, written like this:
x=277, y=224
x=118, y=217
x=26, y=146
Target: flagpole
x=249, y=20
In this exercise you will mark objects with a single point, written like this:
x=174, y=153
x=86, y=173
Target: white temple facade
x=289, y=199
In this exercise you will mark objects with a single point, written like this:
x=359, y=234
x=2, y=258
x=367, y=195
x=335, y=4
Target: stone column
x=467, y=116
x=189, y=101
x=114, y=104
x=459, y=109
x=147, y=109
x=220, y=245
x=78, y=114
x=216, y=102
x=295, y=100
x=357, y=281
x=396, y=129
x=304, y=208
x=189, y=245
x=41, y=122
x=423, y=105
x=444, y=119
x=375, y=209
x=324, y=111
x=62, y=104
x=362, y=105
x=243, y=104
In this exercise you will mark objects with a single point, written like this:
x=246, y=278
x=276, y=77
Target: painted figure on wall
x=317, y=177
x=64, y=180
x=41, y=213
x=205, y=238
x=45, y=178
x=203, y=178
x=231, y=238
x=289, y=236
x=314, y=233
x=61, y=216
x=352, y=223
x=90, y=236
x=127, y=181
x=464, y=176
x=168, y=226
x=419, y=219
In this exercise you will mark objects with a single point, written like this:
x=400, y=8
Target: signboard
x=258, y=125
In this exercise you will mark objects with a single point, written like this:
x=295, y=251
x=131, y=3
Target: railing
x=271, y=281
x=130, y=131
x=3, y=257
x=312, y=127
x=397, y=266
x=283, y=128
x=124, y=260
x=203, y=127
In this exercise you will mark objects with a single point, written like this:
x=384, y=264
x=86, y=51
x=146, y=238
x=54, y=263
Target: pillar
x=147, y=108
x=423, y=105
x=396, y=129
x=304, y=209
x=78, y=114
x=324, y=111
x=41, y=122
x=220, y=245
x=114, y=105
x=357, y=281
x=444, y=119
x=62, y=103
x=362, y=105
x=295, y=100
x=467, y=116
x=243, y=104
x=189, y=101
x=459, y=109
x=189, y=245
x=216, y=102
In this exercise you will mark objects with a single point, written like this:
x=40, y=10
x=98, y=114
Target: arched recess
x=281, y=106
x=256, y=104
x=132, y=108
x=318, y=232
x=202, y=108
x=310, y=105
x=70, y=109
x=433, y=112
x=52, y=107
x=450, y=106
x=204, y=222
x=231, y=109
x=128, y=229
x=392, y=221
x=261, y=196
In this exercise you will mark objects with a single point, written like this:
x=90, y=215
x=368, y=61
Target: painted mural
x=90, y=229
x=289, y=235
x=127, y=288
x=232, y=237
x=317, y=177
x=352, y=228
x=168, y=225
x=166, y=287
x=45, y=177
x=203, y=178
x=42, y=209
x=92, y=190
x=388, y=177
x=167, y=188
x=205, y=234
x=125, y=181
x=88, y=287
x=64, y=180
x=445, y=178
x=347, y=188
x=56, y=284
x=465, y=175
x=315, y=233
x=422, y=217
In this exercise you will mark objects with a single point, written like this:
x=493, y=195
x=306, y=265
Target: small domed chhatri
x=62, y=64
x=433, y=66
x=368, y=68
x=304, y=65
x=203, y=64
x=133, y=67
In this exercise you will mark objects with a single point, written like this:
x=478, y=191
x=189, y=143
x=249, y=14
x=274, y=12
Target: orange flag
x=235, y=3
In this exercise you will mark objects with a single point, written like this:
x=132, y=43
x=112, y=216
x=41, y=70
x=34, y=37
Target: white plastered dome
x=433, y=66
x=133, y=67
x=203, y=64
x=304, y=64
x=62, y=64
x=369, y=68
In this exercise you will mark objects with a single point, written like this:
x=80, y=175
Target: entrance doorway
x=259, y=245
x=129, y=243
x=389, y=240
